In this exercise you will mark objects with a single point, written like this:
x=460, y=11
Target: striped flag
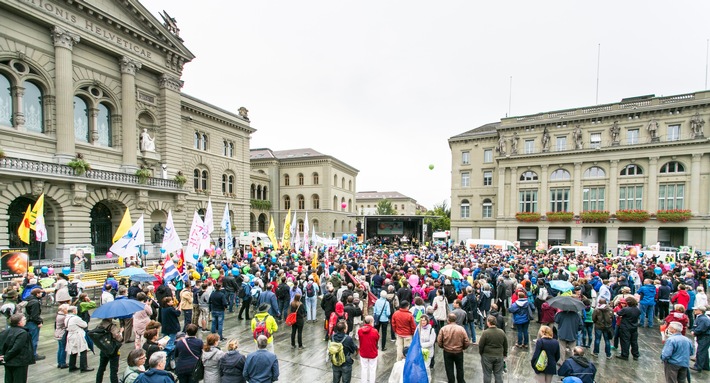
x=170, y=272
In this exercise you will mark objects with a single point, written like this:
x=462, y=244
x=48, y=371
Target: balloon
x=657, y=270
x=413, y=280
x=422, y=271
x=66, y=270
x=196, y=256
x=435, y=274
x=295, y=256
x=672, y=265
x=274, y=259
x=50, y=271
x=546, y=270
x=218, y=251
x=109, y=255
x=572, y=267
x=249, y=255
x=343, y=205
x=345, y=237
x=214, y=274
x=408, y=257
x=626, y=253
x=431, y=166
x=196, y=275
x=465, y=271
x=44, y=269
x=436, y=267
x=145, y=252
x=162, y=251
x=235, y=271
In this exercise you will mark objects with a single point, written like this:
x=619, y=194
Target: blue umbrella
x=130, y=271
x=118, y=308
x=561, y=285
x=143, y=278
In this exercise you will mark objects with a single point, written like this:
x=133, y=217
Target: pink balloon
x=343, y=205
x=436, y=266
x=408, y=257
x=465, y=271
x=109, y=255
x=50, y=271
x=413, y=280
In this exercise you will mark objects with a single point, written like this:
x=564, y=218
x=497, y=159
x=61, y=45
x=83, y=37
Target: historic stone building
x=303, y=180
x=520, y=178
x=102, y=79
x=366, y=202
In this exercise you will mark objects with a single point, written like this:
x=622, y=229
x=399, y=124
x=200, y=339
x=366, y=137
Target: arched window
x=560, y=175
x=631, y=170
x=300, y=179
x=259, y=194
x=287, y=180
x=350, y=185
x=301, y=202
x=350, y=205
x=32, y=108
x=196, y=179
x=335, y=180
x=672, y=167
x=287, y=202
x=197, y=139
x=224, y=183
x=342, y=183
x=264, y=194
x=335, y=202
x=81, y=120
x=103, y=125
x=487, y=211
x=465, y=209
x=528, y=176
x=315, y=179
x=594, y=172
x=204, y=178
x=5, y=101
x=314, y=226
x=253, y=191
x=204, y=141
x=342, y=202
x=299, y=227
x=227, y=183
x=315, y=201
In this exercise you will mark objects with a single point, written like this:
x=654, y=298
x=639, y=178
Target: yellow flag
x=286, y=240
x=124, y=226
x=272, y=233
x=37, y=211
x=24, y=230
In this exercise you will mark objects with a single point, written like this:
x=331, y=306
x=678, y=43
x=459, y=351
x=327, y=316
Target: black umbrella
x=566, y=303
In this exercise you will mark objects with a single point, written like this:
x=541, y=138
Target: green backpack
x=336, y=353
x=541, y=363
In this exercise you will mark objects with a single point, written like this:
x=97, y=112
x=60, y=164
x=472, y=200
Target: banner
x=198, y=233
x=227, y=227
x=13, y=263
x=390, y=228
x=130, y=242
x=171, y=240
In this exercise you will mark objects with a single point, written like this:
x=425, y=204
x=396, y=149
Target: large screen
x=390, y=228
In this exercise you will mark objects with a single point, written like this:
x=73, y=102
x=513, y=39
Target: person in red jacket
x=338, y=314
x=368, y=337
x=404, y=327
x=681, y=297
x=678, y=315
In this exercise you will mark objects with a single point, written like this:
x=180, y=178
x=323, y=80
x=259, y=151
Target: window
x=559, y=199
x=204, y=178
x=315, y=226
x=561, y=143
x=487, y=211
x=594, y=172
x=342, y=183
x=632, y=136
x=287, y=202
x=465, y=179
x=196, y=179
x=487, y=178
x=560, y=175
x=672, y=167
x=528, y=201
x=465, y=158
x=631, y=197
x=631, y=170
x=200, y=141
x=227, y=183
x=488, y=156
x=204, y=141
x=595, y=140
x=264, y=194
x=299, y=227
x=197, y=140
x=224, y=183
x=593, y=198
x=6, y=104
x=671, y=196
x=287, y=180
x=315, y=201
x=529, y=146
x=301, y=202
x=335, y=180
x=673, y=132
x=32, y=107
x=528, y=176
x=103, y=126
x=81, y=120
x=350, y=185
x=315, y=179
x=228, y=148
x=199, y=178
x=300, y=179
x=465, y=209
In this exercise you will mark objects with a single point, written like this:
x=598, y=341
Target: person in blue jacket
x=552, y=350
x=578, y=366
x=647, y=304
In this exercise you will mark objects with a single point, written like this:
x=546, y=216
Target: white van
x=491, y=243
x=577, y=250
x=247, y=237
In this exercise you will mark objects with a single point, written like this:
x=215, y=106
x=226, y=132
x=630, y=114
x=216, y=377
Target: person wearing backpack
x=111, y=358
x=245, y=295
x=311, y=291
x=602, y=317
x=283, y=296
x=264, y=323
x=340, y=351
x=547, y=353
x=328, y=305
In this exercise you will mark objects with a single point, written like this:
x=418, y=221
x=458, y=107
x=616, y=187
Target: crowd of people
x=455, y=298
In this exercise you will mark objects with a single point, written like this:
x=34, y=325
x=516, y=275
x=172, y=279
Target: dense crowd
x=446, y=298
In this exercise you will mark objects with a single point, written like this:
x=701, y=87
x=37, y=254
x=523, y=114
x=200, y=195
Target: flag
x=297, y=242
x=414, y=367
x=294, y=228
x=171, y=240
x=198, y=231
x=123, y=226
x=181, y=261
x=306, y=245
x=286, y=239
x=209, y=228
x=23, y=231
x=272, y=233
x=227, y=227
x=130, y=242
x=170, y=272
x=371, y=298
x=37, y=220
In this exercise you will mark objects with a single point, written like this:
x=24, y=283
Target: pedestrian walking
x=297, y=328
x=547, y=353
x=404, y=327
x=701, y=331
x=676, y=355
x=493, y=348
x=368, y=337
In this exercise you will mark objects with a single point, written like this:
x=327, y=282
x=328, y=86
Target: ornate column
x=129, y=143
x=513, y=191
x=542, y=196
x=500, y=198
x=612, y=201
x=63, y=43
x=18, y=93
x=652, y=200
x=695, y=183
x=577, y=189
x=94, y=126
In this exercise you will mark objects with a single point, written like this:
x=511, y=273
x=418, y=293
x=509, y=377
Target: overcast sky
x=382, y=85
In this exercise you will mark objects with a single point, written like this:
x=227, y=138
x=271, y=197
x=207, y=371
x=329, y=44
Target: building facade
x=366, y=203
x=101, y=81
x=633, y=172
x=304, y=181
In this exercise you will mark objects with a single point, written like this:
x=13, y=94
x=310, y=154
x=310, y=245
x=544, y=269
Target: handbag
x=199, y=372
x=376, y=321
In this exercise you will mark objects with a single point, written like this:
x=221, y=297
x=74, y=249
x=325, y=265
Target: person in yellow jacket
x=264, y=324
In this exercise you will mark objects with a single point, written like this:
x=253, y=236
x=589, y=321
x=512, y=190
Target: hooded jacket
x=368, y=337
x=678, y=317
x=580, y=367
x=682, y=298
x=231, y=367
x=335, y=316
x=349, y=346
x=156, y=376
x=520, y=310
x=602, y=317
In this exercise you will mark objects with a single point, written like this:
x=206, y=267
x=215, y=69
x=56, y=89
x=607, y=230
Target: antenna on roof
x=510, y=95
x=599, y=54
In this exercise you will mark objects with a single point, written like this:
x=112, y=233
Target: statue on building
x=158, y=232
x=614, y=131
x=147, y=142
x=545, y=140
x=696, y=125
x=170, y=23
x=514, y=144
x=577, y=137
x=164, y=173
x=501, y=145
x=652, y=129
x=244, y=113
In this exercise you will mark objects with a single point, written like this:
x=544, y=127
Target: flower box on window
x=675, y=215
x=79, y=164
x=180, y=178
x=595, y=216
x=527, y=217
x=559, y=216
x=632, y=215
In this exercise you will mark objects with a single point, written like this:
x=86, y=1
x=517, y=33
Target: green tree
x=440, y=217
x=384, y=207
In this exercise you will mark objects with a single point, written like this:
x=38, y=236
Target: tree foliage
x=384, y=207
x=441, y=217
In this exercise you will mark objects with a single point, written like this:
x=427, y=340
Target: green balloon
x=545, y=270
x=422, y=271
x=215, y=274
x=431, y=167
x=572, y=268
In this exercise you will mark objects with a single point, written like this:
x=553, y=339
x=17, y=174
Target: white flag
x=209, y=220
x=171, y=240
x=305, y=234
x=128, y=245
x=294, y=225
x=40, y=229
x=198, y=231
x=227, y=227
x=297, y=242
